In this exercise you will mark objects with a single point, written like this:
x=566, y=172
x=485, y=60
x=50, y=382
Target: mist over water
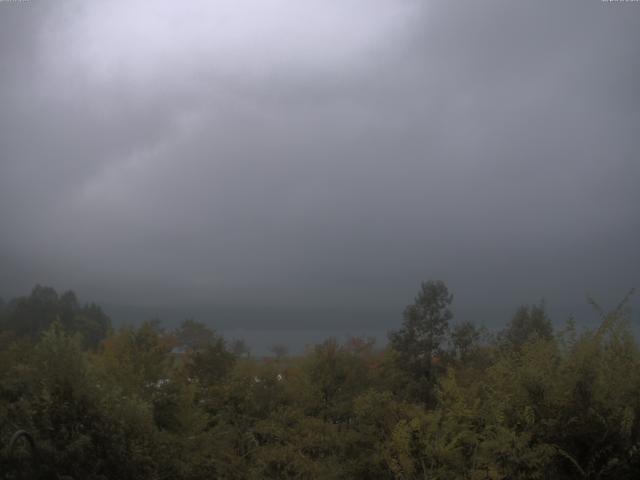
x=297, y=328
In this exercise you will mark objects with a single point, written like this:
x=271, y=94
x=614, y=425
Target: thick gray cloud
x=320, y=153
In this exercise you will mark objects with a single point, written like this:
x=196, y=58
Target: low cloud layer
x=320, y=153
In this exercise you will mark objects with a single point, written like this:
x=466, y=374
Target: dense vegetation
x=443, y=400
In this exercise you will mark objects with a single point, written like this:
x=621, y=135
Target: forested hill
x=444, y=399
x=28, y=317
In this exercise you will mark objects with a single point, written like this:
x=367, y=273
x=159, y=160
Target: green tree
x=137, y=358
x=195, y=335
x=527, y=322
x=210, y=364
x=465, y=338
x=420, y=339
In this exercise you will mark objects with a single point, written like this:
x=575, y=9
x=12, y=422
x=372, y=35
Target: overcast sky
x=320, y=153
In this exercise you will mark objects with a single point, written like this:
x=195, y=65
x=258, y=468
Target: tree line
x=442, y=400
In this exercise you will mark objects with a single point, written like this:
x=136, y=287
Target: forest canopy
x=444, y=399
